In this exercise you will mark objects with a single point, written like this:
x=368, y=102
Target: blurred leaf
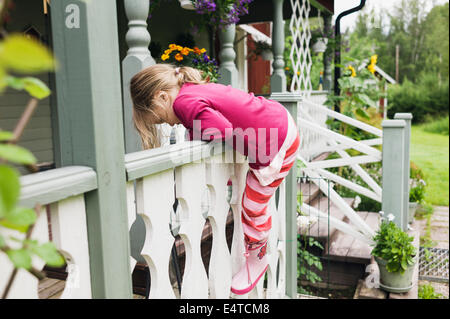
x=5, y=136
x=33, y=86
x=16, y=154
x=25, y=55
x=21, y=258
x=9, y=189
x=361, y=112
x=19, y=219
x=2, y=241
x=49, y=254
x=365, y=100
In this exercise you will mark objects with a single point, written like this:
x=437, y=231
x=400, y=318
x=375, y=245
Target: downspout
x=337, y=53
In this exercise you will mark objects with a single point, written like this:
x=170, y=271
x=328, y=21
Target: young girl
x=164, y=93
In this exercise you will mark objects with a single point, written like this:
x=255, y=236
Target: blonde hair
x=143, y=88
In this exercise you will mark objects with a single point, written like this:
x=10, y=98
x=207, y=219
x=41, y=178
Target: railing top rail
x=341, y=117
x=56, y=184
x=143, y=163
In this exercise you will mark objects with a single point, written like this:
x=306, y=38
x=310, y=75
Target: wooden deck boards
x=346, y=248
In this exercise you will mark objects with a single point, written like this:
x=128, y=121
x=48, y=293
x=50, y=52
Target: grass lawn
x=430, y=152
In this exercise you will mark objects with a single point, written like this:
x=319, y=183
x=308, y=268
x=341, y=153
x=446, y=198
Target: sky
x=349, y=20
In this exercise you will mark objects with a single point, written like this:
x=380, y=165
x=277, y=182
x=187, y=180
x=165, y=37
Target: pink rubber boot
x=255, y=266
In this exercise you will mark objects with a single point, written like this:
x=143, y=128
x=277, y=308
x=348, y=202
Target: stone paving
x=439, y=235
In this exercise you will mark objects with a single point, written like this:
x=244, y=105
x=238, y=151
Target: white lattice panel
x=300, y=54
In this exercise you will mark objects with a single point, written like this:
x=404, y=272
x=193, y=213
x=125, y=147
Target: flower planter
x=186, y=4
x=412, y=210
x=320, y=46
x=267, y=55
x=395, y=281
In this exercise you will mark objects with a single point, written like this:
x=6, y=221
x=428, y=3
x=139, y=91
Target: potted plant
x=396, y=257
x=220, y=13
x=262, y=49
x=416, y=190
x=193, y=57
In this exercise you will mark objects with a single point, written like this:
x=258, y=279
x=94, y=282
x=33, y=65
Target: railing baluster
x=69, y=231
x=237, y=245
x=217, y=175
x=25, y=285
x=190, y=180
x=154, y=200
x=227, y=70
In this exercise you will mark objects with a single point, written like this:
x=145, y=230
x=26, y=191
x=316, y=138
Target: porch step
x=321, y=230
x=345, y=248
x=309, y=191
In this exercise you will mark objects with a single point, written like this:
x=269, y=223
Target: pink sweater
x=224, y=110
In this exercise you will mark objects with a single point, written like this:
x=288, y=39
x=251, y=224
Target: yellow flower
x=298, y=72
x=185, y=51
x=287, y=68
x=168, y=51
x=203, y=50
x=373, y=59
x=371, y=68
x=178, y=57
x=353, y=71
x=172, y=46
x=179, y=47
x=164, y=57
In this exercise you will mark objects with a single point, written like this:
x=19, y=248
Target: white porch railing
x=60, y=192
x=335, y=142
x=182, y=172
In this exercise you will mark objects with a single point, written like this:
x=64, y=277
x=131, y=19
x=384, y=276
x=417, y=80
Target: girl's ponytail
x=186, y=74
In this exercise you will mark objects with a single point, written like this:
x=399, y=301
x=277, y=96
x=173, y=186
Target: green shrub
x=440, y=126
x=426, y=98
x=427, y=292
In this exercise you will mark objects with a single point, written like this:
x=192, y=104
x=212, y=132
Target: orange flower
x=178, y=57
x=164, y=57
x=185, y=51
x=197, y=50
x=172, y=46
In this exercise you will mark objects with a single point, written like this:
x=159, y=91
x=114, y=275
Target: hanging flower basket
x=186, y=4
x=320, y=46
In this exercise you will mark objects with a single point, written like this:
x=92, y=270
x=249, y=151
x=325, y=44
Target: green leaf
x=25, y=55
x=35, y=87
x=362, y=113
x=5, y=136
x=2, y=241
x=364, y=99
x=16, y=154
x=19, y=219
x=49, y=254
x=9, y=189
x=20, y=258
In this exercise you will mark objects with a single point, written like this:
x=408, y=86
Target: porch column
x=227, y=70
x=138, y=58
x=89, y=112
x=291, y=102
x=407, y=117
x=393, y=179
x=278, y=79
x=328, y=55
